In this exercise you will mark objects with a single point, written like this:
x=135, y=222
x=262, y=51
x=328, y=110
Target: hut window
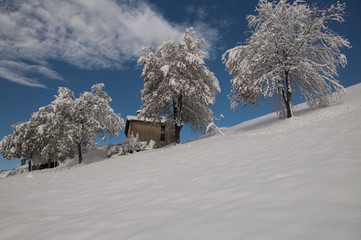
x=162, y=137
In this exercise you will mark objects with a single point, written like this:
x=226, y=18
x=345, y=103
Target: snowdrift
x=264, y=179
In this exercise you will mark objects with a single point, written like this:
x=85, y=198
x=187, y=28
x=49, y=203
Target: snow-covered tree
x=291, y=50
x=92, y=115
x=54, y=130
x=53, y=127
x=22, y=143
x=70, y=121
x=178, y=85
x=45, y=137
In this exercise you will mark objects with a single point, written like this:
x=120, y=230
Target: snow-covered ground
x=266, y=179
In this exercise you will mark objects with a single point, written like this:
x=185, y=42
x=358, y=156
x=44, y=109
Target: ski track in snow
x=265, y=179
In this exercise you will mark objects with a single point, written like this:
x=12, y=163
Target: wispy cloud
x=200, y=12
x=18, y=77
x=89, y=34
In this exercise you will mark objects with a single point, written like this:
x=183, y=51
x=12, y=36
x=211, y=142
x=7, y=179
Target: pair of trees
x=66, y=124
x=291, y=51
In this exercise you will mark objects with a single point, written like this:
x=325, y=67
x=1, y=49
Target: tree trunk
x=49, y=163
x=30, y=167
x=79, y=153
x=288, y=108
x=177, y=133
x=287, y=95
x=177, y=114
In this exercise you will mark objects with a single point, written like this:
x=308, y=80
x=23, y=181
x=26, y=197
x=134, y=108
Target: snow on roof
x=143, y=119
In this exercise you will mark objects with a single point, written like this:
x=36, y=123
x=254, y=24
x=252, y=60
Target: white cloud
x=17, y=71
x=89, y=34
x=12, y=76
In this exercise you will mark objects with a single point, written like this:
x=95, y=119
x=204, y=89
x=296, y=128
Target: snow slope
x=264, y=179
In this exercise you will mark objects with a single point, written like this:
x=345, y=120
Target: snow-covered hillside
x=264, y=179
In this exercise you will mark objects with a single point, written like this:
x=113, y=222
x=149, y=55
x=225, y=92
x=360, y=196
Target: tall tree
x=93, y=115
x=54, y=127
x=291, y=51
x=178, y=85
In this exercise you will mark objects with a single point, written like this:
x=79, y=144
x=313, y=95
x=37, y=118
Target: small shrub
x=128, y=146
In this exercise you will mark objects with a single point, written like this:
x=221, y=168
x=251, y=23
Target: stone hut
x=146, y=129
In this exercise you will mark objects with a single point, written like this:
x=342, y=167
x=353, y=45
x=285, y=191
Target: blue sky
x=78, y=43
